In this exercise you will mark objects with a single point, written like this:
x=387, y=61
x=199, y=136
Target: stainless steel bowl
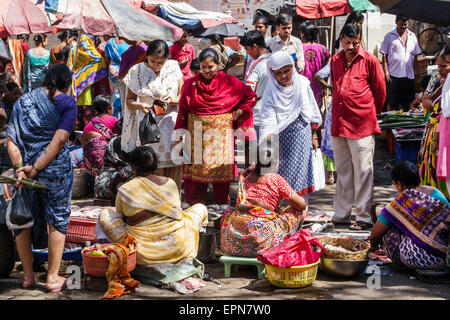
x=342, y=268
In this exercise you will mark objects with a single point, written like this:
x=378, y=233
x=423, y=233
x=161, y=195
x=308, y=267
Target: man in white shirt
x=253, y=42
x=287, y=42
x=400, y=48
x=255, y=46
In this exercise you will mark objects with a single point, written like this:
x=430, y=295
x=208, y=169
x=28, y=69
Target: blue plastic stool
x=231, y=263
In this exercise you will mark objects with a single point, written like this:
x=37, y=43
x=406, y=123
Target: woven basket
x=80, y=183
x=421, y=67
x=348, y=243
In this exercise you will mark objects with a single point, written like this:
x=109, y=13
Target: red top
x=108, y=121
x=223, y=94
x=177, y=53
x=269, y=190
x=358, y=95
x=315, y=9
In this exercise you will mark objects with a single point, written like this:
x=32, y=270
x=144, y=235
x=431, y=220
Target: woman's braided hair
x=59, y=78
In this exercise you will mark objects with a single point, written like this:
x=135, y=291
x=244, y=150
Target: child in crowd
x=195, y=66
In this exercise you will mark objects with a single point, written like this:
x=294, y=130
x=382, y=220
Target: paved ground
x=403, y=284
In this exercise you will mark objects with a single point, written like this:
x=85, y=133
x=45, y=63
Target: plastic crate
x=407, y=150
x=81, y=230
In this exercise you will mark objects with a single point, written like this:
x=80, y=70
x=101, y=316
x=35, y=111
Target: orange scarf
x=119, y=279
x=16, y=51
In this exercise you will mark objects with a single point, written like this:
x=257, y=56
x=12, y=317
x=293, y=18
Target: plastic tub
x=96, y=266
x=293, y=277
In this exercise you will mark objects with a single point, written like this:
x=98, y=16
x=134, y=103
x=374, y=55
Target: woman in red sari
x=221, y=103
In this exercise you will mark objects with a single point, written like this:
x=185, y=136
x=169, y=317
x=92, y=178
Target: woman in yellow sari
x=149, y=208
x=89, y=67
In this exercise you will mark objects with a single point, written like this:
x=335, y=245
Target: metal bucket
x=207, y=245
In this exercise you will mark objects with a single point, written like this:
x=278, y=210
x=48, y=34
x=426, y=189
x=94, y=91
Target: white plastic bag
x=319, y=170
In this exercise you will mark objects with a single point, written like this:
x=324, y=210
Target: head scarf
x=223, y=94
x=282, y=105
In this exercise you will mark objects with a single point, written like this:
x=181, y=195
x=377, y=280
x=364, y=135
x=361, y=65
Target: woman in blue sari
x=113, y=54
x=39, y=127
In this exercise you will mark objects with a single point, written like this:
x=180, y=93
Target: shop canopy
x=22, y=17
x=431, y=11
x=115, y=17
x=186, y=16
x=313, y=9
x=316, y=9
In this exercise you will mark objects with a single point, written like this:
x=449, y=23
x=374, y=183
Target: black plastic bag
x=19, y=214
x=148, y=130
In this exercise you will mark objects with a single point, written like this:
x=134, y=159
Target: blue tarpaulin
x=185, y=23
x=50, y=5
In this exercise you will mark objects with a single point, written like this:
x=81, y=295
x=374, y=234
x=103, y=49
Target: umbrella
x=226, y=30
x=430, y=11
x=134, y=23
x=22, y=17
x=88, y=16
x=316, y=9
x=110, y=17
x=385, y=4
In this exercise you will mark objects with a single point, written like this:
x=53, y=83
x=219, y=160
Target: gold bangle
x=18, y=165
x=35, y=168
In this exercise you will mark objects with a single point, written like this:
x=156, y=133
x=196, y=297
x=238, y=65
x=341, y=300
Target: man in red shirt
x=184, y=53
x=358, y=95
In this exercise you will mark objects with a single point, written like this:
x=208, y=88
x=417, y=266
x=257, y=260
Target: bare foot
x=28, y=281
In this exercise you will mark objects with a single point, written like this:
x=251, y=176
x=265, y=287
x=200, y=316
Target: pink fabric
x=23, y=17
x=177, y=53
x=89, y=16
x=316, y=57
x=269, y=190
x=109, y=121
x=443, y=159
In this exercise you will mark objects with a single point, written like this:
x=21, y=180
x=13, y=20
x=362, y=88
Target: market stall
x=404, y=133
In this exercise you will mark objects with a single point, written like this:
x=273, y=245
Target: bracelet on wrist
x=35, y=168
x=18, y=165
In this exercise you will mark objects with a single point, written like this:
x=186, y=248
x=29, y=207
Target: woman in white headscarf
x=290, y=112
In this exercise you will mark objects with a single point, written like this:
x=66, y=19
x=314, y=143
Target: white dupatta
x=282, y=105
x=143, y=82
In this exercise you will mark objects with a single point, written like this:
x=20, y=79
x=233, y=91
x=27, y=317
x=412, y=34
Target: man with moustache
x=400, y=49
x=358, y=95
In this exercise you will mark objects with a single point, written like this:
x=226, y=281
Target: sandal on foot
x=57, y=287
x=359, y=226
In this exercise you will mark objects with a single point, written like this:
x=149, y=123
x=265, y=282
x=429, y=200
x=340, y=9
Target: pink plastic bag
x=294, y=251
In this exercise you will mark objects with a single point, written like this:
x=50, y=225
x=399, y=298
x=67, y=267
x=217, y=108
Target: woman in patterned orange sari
x=220, y=103
x=259, y=223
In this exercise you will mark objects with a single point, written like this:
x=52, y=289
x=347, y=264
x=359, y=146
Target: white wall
x=376, y=25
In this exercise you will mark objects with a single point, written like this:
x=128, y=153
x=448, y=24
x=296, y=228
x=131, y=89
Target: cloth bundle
x=119, y=279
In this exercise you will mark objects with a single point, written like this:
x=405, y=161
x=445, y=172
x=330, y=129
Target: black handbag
x=148, y=130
